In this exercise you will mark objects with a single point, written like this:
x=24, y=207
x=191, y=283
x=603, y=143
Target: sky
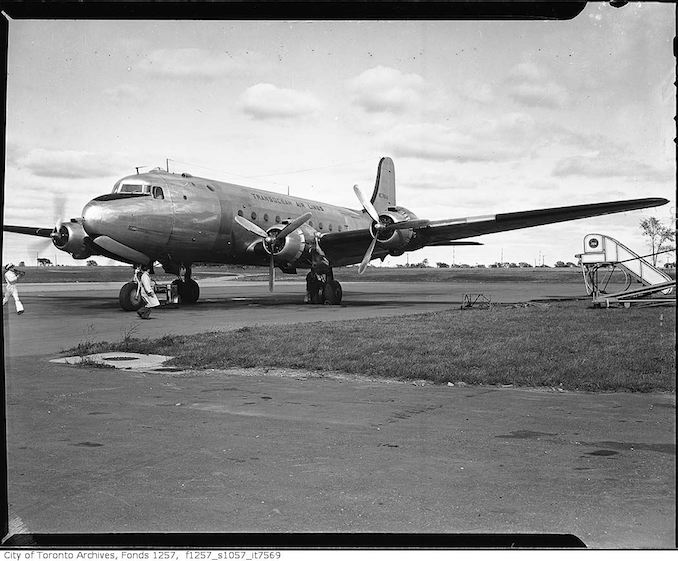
x=479, y=117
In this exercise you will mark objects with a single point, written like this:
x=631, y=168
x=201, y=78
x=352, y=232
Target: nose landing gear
x=187, y=289
x=129, y=298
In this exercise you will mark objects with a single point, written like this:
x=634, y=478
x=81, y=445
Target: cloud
x=440, y=143
x=600, y=166
x=383, y=89
x=197, y=63
x=266, y=101
x=125, y=93
x=529, y=84
x=70, y=164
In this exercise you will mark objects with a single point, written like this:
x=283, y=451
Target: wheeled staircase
x=603, y=252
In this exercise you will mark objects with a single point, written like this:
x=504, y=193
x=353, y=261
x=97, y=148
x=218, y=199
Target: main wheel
x=332, y=293
x=189, y=292
x=128, y=298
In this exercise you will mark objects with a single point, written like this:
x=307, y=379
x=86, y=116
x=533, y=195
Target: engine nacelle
x=290, y=249
x=395, y=240
x=71, y=238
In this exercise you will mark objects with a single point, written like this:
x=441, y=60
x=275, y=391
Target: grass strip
x=567, y=345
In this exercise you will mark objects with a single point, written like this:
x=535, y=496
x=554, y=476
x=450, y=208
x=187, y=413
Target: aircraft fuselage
x=186, y=219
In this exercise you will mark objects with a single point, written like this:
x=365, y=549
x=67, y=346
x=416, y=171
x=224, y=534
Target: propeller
x=379, y=227
x=58, y=207
x=270, y=240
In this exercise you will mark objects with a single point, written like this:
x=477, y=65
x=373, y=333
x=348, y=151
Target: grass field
x=567, y=345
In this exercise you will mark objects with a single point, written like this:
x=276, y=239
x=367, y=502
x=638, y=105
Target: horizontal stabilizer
x=125, y=252
x=30, y=230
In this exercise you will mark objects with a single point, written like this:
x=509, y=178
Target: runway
x=101, y=450
x=92, y=311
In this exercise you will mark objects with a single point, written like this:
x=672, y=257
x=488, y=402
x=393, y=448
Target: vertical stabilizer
x=384, y=188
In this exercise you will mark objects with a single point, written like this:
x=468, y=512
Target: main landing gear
x=321, y=288
x=186, y=288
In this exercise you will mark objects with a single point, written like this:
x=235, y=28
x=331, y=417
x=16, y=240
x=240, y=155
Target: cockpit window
x=133, y=188
x=157, y=193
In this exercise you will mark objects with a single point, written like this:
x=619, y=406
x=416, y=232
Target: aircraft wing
x=29, y=230
x=439, y=230
x=348, y=247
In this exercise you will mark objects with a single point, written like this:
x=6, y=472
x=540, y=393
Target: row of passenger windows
x=253, y=216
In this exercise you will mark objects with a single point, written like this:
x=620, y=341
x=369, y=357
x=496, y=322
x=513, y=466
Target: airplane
x=178, y=220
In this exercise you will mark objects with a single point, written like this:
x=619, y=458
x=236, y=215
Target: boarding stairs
x=605, y=254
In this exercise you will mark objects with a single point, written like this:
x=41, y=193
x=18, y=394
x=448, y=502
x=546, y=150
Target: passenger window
x=320, y=225
x=330, y=227
x=157, y=193
x=240, y=213
x=254, y=216
x=339, y=228
x=277, y=219
x=210, y=187
x=265, y=217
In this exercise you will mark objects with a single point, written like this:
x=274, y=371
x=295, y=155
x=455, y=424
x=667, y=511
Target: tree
x=657, y=235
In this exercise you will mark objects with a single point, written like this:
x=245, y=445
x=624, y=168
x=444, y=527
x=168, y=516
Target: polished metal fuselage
x=194, y=219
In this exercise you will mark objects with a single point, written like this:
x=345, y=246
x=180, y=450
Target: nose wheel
x=188, y=290
x=128, y=298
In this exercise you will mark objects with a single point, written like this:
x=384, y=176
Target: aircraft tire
x=316, y=297
x=332, y=293
x=129, y=301
x=189, y=292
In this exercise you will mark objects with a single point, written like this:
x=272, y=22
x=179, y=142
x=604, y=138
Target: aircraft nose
x=94, y=216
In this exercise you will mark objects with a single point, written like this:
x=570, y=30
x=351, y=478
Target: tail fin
x=384, y=194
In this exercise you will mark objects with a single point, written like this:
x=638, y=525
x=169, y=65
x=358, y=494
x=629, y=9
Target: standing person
x=12, y=275
x=145, y=290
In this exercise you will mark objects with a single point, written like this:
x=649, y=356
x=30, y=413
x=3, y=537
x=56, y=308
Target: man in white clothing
x=12, y=275
x=145, y=290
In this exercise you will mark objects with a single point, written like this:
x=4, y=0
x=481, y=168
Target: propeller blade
x=368, y=257
x=271, y=274
x=250, y=226
x=292, y=226
x=57, y=227
x=367, y=205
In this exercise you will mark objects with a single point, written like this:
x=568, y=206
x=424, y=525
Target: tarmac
x=99, y=450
